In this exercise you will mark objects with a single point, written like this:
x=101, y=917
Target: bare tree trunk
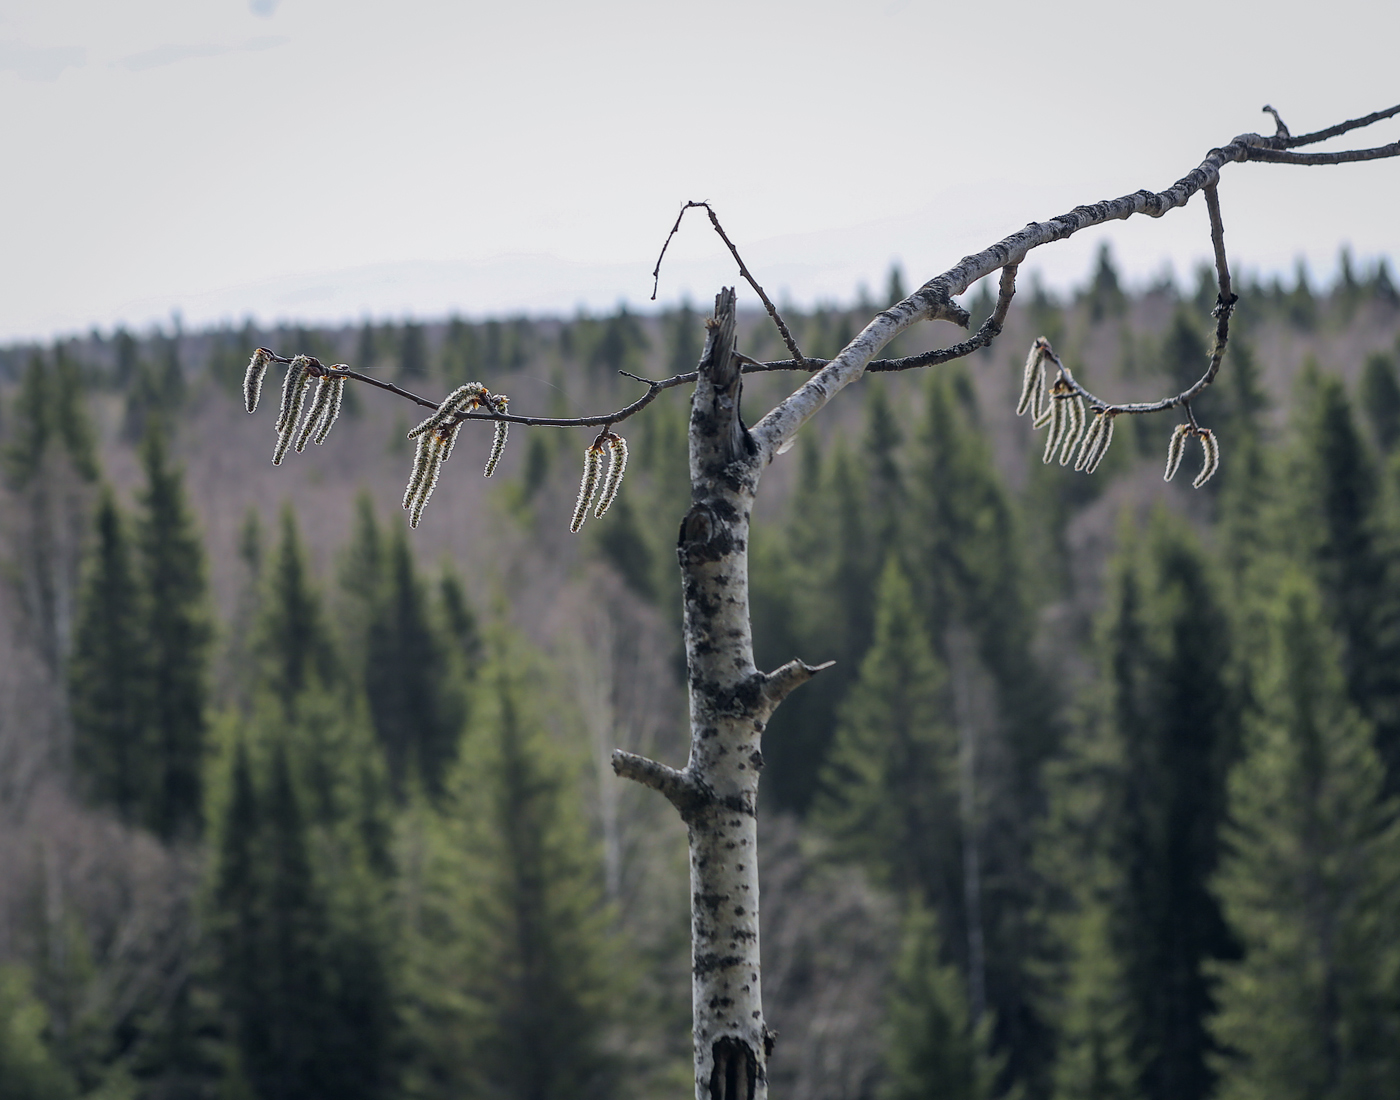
x=730, y=703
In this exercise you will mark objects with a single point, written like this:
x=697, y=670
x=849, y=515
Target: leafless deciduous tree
x=716, y=792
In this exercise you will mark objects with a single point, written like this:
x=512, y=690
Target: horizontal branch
x=931, y=299
x=679, y=786
x=1333, y=131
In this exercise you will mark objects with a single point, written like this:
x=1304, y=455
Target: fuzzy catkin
x=1211, y=446
x=617, y=466
x=292, y=383
x=293, y=399
x=498, y=446
x=1091, y=440
x=1176, y=448
x=1030, y=379
x=592, y=467
x=1100, y=445
x=320, y=405
x=1059, y=420
x=253, y=378
x=1075, y=429
x=331, y=413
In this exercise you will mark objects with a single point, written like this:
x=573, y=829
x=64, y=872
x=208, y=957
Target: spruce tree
x=177, y=638
x=1337, y=522
x=1312, y=885
x=28, y=1068
x=971, y=589
x=293, y=638
x=1171, y=720
x=108, y=682
x=415, y=714
x=935, y=1050
x=1380, y=397
x=889, y=795
x=512, y=984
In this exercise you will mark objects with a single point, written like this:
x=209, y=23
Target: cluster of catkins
x=596, y=489
x=1060, y=407
x=325, y=406
x=437, y=435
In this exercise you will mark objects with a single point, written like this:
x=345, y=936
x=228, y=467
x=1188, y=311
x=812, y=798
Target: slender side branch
x=1331, y=131
x=678, y=787
x=783, y=681
x=743, y=270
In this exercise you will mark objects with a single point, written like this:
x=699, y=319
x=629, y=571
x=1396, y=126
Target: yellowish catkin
x=253, y=378
x=617, y=466
x=1211, y=446
x=293, y=399
x=469, y=396
x=1176, y=448
x=592, y=467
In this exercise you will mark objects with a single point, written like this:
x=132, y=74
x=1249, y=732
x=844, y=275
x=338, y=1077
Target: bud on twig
x=253, y=378
x=592, y=467
x=617, y=466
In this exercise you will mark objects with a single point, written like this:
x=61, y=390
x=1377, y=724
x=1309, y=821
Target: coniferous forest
x=1100, y=800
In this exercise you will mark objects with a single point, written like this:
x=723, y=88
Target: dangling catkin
x=436, y=446
x=253, y=378
x=320, y=405
x=1074, y=430
x=617, y=466
x=1211, y=446
x=592, y=467
x=293, y=398
x=1030, y=380
x=331, y=413
x=1175, y=449
x=1091, y=440
x=499, y=402
x=1059, y=421
x=1100, y=445
x=419, y=472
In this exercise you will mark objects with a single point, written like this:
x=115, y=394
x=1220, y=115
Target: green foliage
x=49, y=410
x=1312, y=885
x=300, y=905
x=177, y=637
x=511, y=984
x=888, y=795
x=1337, y=523
x=935, y=1050
x=28, y=1068
x=108, y=674
x=1380, y=397
x=1105, y=293
x=417, y=715
x=292, y=636
x=1171, y=717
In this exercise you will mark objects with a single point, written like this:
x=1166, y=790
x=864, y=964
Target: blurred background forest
x=1097, y=801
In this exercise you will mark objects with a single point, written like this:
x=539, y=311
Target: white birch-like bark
x=730, y=702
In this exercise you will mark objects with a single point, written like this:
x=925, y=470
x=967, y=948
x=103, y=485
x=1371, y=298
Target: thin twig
x=1334, y=131
x=743, y=270
x=1224, y=306
x=1346, y=156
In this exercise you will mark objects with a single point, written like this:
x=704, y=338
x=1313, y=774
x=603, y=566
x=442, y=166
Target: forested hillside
x=1099, y=799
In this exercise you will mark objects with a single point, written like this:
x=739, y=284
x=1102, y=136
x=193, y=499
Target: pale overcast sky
x=335, y=159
